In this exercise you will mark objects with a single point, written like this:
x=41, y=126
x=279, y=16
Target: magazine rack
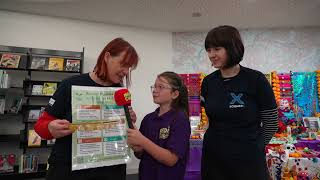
x=34, y=62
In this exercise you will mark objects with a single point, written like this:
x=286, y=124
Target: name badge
x=164, y=133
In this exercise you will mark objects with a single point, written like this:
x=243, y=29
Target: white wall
x=154, y=48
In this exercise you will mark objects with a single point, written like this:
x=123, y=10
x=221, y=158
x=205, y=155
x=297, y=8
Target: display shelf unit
x=62, y=63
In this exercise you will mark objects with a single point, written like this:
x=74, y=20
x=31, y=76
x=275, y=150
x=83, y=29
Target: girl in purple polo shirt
x=162, y=143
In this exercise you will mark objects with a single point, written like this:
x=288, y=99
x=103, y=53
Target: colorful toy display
x=294, y=151
x=198, y=117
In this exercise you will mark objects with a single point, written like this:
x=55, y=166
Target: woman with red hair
x=114, y=64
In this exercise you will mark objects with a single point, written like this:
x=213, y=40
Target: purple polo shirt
x=155, y=128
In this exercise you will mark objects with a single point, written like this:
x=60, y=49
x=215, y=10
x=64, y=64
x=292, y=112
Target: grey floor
x=129, y=177
x=132, y=177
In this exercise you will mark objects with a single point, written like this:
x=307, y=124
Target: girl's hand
x=59, y=128
x=135, y=138
x=132, y=114
x=137, y=148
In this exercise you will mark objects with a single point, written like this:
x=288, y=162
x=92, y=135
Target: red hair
x=115, y=47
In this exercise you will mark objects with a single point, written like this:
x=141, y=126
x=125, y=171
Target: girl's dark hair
x=229, y=38
x=176, y=83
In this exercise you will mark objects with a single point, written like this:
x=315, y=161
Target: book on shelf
x=73, y=65
x=4, y=79
x=28, y=163
x=56, y=64
x=37, y=89
x=16, y=104
x=49, y=89
x=10, y=60
x=34, y=140
x=34, y=115
x=38, y=63
x=2, y=104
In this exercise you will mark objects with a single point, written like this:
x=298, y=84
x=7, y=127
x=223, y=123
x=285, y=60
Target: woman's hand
x=132, y=114
x=135, y=138
x=59, y=128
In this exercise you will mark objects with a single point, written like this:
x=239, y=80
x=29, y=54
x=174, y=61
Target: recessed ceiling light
x=49, y=1
x=251, y=1
x=196, y=14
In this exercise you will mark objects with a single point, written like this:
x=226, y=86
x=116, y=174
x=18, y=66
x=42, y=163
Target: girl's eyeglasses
x=159, y=88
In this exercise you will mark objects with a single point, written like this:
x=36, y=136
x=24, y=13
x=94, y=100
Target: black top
x=233, y=107
x=59, y=106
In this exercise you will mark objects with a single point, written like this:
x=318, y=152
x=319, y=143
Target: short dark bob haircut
x=229, y=38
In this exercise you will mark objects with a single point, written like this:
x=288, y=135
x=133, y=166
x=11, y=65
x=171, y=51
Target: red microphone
x=123, y=98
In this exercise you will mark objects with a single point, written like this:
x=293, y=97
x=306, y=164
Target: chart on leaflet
x=100, y=128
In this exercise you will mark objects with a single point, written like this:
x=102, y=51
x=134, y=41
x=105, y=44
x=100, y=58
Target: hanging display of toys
x=204, y=119
x=193, y=84
x=285, y=86
x=275, y=85
x=318, y=83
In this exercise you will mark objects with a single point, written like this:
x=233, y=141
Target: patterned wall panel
x=282, y=50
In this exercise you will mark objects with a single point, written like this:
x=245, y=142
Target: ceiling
x=177, y=15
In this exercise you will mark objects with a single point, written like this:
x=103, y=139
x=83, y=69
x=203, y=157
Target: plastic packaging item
x=100, y=128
